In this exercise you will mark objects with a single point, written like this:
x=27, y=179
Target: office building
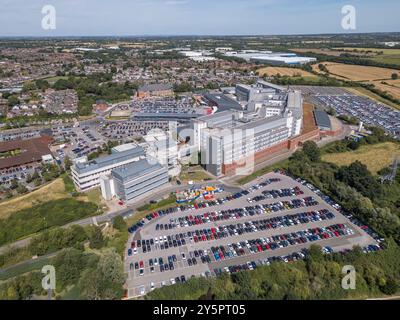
x=86, y=174
x=134, y=180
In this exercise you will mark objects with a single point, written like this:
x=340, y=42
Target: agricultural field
x=390, y=86
x=355, y=72
x=283, y=71
x=375, y=157
x=391, y=56
x=326, y=51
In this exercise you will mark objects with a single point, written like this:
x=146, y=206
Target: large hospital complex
x=263, y=118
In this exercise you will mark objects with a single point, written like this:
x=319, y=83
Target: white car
x=172, y=281
x=142, y=291
x=152, y=286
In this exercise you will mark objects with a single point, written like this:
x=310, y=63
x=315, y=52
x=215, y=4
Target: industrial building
x=269, y=57
x=322, y=120
x=232, y=139
x=86, y=174
x=134, y=180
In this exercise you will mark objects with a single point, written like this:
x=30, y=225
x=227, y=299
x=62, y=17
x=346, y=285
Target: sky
x=195, y=17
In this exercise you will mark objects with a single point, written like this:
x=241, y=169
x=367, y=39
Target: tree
x=42, y=84
x=96, y=238
x=104, y=281
x=12, y=101
x=67, y=163
x=395, y=76
x=312, y=151
x=69, y=264
x=119, y=223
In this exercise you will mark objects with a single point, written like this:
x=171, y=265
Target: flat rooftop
x=135, y=169
x=322, y=119
x=109, y=160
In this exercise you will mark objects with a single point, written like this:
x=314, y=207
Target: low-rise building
x=86, y=175
x=138, y=179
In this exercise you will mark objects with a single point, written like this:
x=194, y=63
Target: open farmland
x=375, y=157
x=326, y=51
x=356, y=73
x=390, y=56
x=392, y=87
x=283, y=71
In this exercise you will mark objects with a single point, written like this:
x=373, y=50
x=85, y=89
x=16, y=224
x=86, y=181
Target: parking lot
x=275, y=217
x=366, y=110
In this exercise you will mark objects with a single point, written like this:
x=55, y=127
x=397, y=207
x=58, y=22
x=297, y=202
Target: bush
x=43, y=216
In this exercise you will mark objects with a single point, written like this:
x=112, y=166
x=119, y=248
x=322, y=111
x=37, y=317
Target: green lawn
x=279, y=165
x=155, y=206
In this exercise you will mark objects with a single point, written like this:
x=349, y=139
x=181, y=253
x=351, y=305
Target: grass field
x=373, y=50
x=292, y=72
x=52, y=191
x=375, y=157
x=356, y=73
x=390, y=86
x=196, y=174
x=328, y=52
x=57, y=189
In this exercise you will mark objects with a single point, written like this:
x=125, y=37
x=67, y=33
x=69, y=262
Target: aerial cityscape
x=163, y=159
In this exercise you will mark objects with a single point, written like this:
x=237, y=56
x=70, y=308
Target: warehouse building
x=280, y=60
x=322, y=120
x=272, y=58
x=86, y=174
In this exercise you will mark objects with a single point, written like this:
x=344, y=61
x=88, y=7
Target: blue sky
x=194, y=17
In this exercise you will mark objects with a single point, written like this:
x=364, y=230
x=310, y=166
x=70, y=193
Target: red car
x=141, y=264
